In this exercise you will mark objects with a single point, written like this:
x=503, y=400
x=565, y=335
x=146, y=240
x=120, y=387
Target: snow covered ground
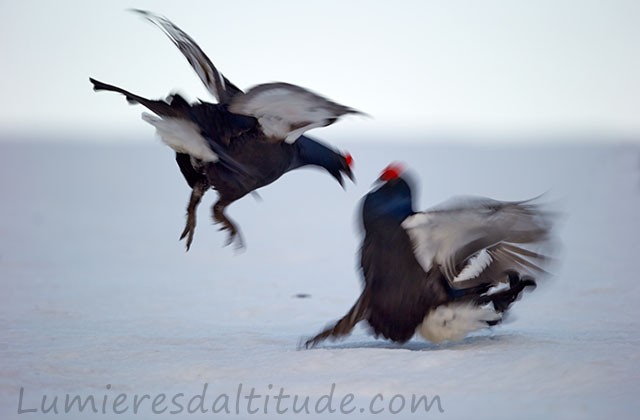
x=99, y=298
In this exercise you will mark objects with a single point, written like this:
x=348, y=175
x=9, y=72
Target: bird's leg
x=344, y=326
x=503, y=300
x=227, y=224
x=196, y=195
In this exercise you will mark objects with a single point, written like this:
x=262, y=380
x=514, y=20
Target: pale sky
x=480, y=67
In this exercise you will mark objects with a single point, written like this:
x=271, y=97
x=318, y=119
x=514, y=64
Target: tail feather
x=161, y=108
x=177, y=129
x=344, y=326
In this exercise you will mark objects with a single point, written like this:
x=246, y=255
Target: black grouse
x=443, y=272
x=245, y=141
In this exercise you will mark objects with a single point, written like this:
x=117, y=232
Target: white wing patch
x=437, y=236
x=182, y=136
x=286, y=111
x=425, y=246
x=475, y=266
x=471, y=237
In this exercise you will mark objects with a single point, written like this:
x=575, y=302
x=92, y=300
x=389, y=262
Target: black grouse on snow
x=245, y=141
x=443, y=272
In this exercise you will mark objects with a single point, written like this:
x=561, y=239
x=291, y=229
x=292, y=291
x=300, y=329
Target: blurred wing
x=286, y=111
x=219, y=86
x=475, y=240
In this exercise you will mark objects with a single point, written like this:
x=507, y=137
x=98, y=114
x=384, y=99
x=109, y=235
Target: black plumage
x=237, y=152
x=406, y=288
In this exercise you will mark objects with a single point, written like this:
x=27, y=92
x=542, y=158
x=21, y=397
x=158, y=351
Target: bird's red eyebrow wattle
x=349, y=159
x=392, y=171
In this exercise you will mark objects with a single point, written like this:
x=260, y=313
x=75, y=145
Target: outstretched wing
x=216, y=83
x=476, y=240
x=286, y=111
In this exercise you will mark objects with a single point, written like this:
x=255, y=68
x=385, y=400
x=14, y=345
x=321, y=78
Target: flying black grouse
x=443, y=272
x=245, y=141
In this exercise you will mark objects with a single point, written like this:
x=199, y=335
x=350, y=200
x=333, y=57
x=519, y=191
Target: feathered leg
x=197, y=192
x=344, y=326
x=227, y=224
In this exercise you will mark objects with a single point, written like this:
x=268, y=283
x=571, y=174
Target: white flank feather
x=454, y=321
x=182, y=136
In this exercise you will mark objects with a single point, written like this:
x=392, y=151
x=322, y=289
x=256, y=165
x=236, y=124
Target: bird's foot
x=504, y=299
x=221, y=218
x=196, y=195
x=235, y=237
x=188, y=231
x=518, y=282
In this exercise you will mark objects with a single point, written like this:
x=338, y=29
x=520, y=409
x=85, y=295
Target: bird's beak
x=351, y=176
x=347, y=170
x=378, y=182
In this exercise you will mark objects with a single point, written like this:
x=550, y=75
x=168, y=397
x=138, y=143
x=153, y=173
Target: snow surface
x=99, y=298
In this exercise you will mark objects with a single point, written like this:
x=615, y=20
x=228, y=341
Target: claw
x=504, y=299
x=184, y=232
x=189, y=239
x=234, y=237
x=188, y=232
x=227, y=224
x=190, y=228
x=238, y=241
x=528, y=281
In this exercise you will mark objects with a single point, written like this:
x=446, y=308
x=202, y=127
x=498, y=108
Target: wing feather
x=286, y=111
x=219, y=86
x=475, y=240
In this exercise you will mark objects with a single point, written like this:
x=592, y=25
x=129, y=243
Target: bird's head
x=392, y=172
x=312, y=152
x=339, y=165
x=392, y=199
